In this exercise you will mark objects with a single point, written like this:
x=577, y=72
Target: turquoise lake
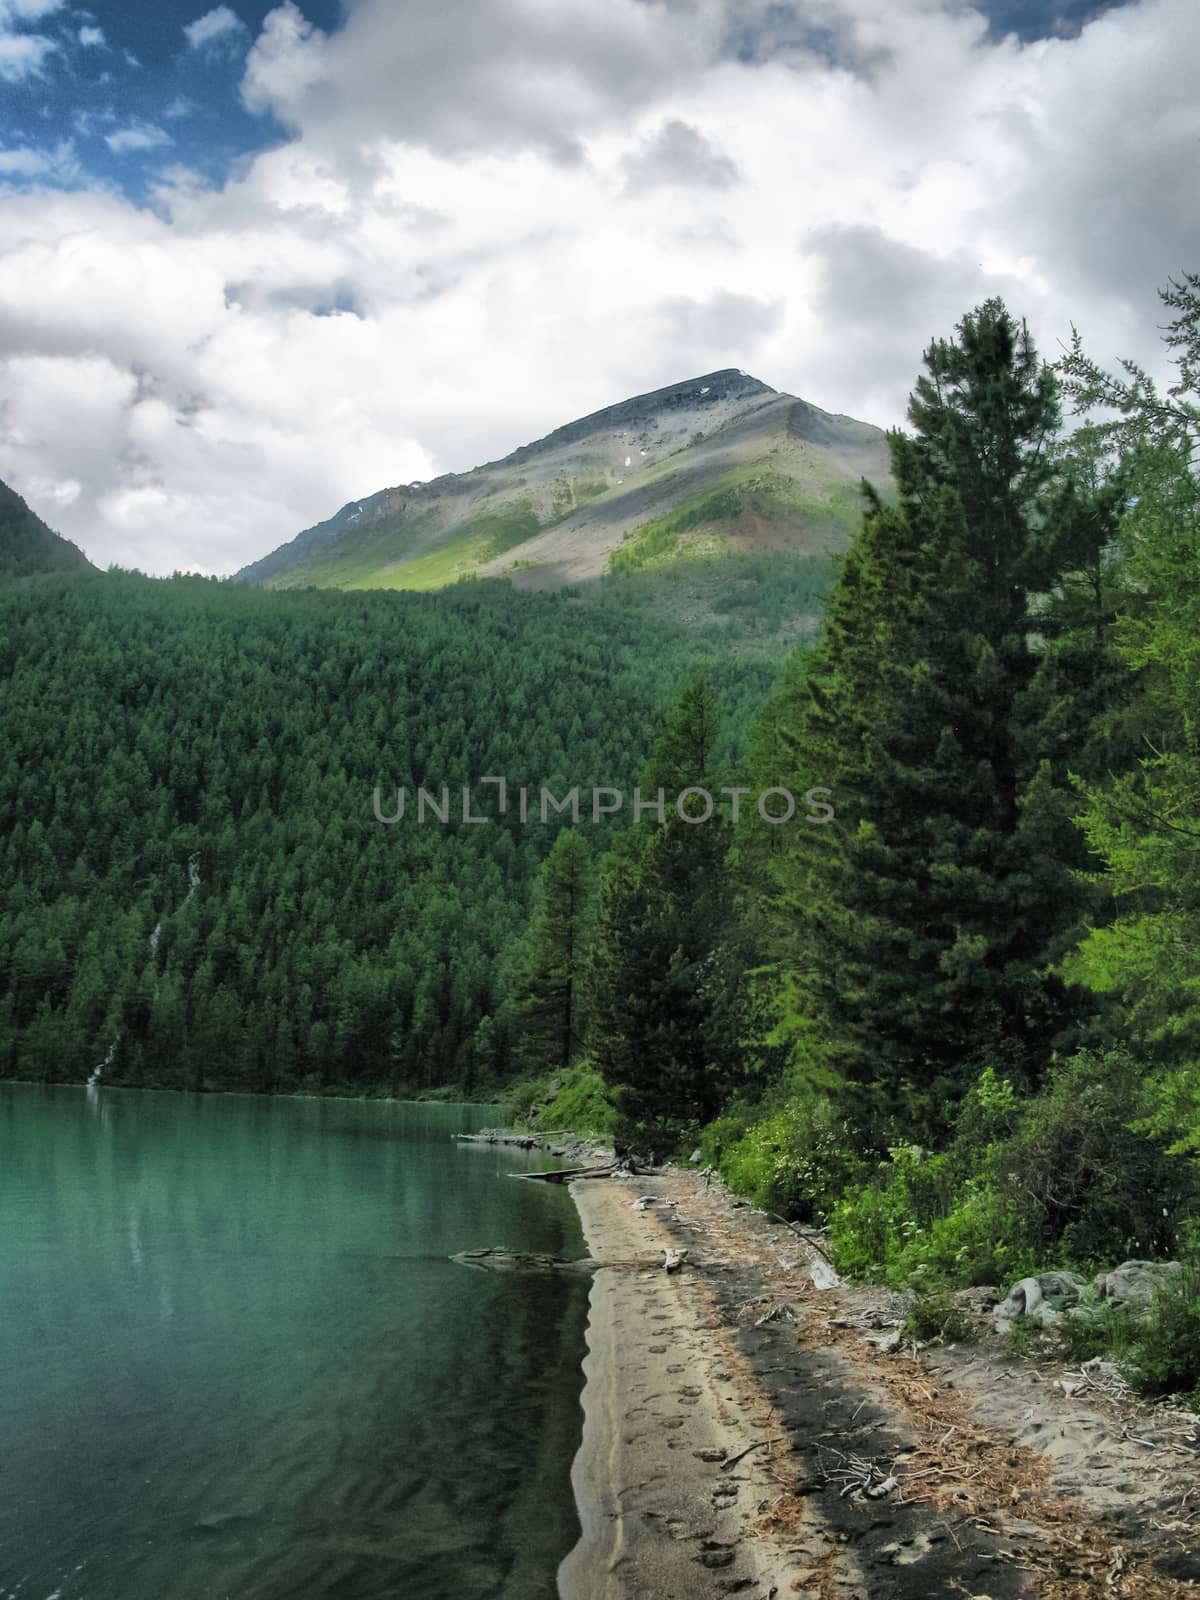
x=235, y=1361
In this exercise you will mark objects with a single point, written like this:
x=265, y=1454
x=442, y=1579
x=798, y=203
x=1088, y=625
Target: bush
x=1067, y=1177
x=525, y=1098
x=1027, y=1337
x=1164, y=1352
x=935, y=1316
x=581, y=1105
x=921, y=1218
x=1089, y=1186
x=1094, y=1330
x=795, y=1161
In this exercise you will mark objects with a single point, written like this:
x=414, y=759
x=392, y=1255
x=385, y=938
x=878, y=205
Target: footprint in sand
x=717, y=1557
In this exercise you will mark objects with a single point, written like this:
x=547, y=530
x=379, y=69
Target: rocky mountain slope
x=28, y=546
x=720, y=464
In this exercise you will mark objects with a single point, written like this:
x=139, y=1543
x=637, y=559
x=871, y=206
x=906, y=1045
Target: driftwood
x=501, y=1260
x=569, y=1174
x=519, y=1141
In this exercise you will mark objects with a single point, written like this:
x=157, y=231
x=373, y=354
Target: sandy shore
x=665, y=1505
x=868, y=1476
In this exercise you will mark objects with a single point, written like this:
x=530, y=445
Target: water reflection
x=235, y=1358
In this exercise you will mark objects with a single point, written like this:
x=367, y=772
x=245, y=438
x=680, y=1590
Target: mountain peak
x=736, y=465
x=713, y=392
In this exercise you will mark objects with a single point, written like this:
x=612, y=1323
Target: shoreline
x=869, y=1471
x=666, y=1501
x=251, y=1094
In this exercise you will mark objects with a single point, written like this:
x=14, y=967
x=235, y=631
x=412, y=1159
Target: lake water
x=236, y=1362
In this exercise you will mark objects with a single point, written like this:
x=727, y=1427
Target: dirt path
x=1000, y=1485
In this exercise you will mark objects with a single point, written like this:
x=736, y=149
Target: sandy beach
x=744, y=1434
x=665, y=1503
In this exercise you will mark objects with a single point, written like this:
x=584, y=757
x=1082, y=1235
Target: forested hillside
x=28, y=546
x=194, y=889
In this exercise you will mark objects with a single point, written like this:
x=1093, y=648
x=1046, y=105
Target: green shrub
x=1164, y=1353
x=796, y=1160
x=1094, y=1330
x=935, y=1316
x=911, y=1223
x=1089, y=1186
x=525, y=1098
x=1027, y=1337
x=1067, y=1177
x=580, y=1105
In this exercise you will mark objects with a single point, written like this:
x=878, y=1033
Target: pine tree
x=665, y=1030
x=548, y=997
x=921, y=925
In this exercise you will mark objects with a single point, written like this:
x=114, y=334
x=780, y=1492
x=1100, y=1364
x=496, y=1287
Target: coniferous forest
x=196, y=889
x=959, y=1025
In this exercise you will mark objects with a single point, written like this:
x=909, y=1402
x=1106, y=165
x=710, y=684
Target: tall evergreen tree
x=923, y=923
x=1143, y=822
x=548, y=996
x=665, y=1031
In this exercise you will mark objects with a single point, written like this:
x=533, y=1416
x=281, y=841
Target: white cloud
x=22, y=55
x=23, y=163
x=219, y=24
x=92, y=38
x=137, y=137
x=468, y=240
x=456, y=76
x=17, y=11
x=58, y=164
x=679, y=155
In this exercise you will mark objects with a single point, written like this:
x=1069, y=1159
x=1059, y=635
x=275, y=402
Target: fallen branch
x=569, y=1174
x=801, y=1234
x=757, y=1445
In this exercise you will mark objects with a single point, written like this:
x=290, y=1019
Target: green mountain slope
x=194, y=888
x=716, y=467
x=28, y=546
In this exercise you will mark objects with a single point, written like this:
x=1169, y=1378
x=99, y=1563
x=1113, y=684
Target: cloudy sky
x=256, y=261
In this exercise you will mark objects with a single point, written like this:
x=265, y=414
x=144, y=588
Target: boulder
x=1043, y=1299
x=1133, y=1283
x=977, y=1302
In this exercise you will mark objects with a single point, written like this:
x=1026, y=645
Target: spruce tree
x=548, y=997
x=665, y=964
x=921, y=925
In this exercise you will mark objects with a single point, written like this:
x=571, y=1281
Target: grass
x=754, y=490
x=475, y=543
